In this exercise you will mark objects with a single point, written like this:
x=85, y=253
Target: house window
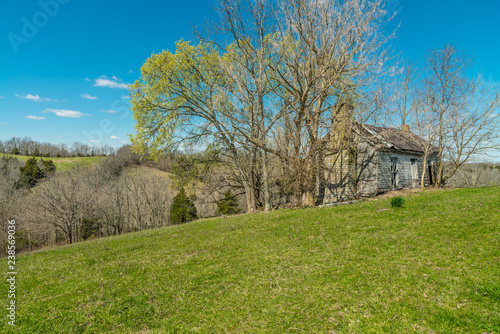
x=394, y=172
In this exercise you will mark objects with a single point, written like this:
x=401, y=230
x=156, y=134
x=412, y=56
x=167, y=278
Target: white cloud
x=105, y=82
x=124, y=142
x=66, y=113
x=116, y=78
x=130, y=71
x=38, y=118
x=87, y=79
x=35, y=98
x=1, y=97
x=115, y=137
x=94, y=141
x=109, y=111
x=125, y=97
x=88, y=96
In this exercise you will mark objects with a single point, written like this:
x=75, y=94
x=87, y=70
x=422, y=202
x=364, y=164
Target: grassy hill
x=430, y=267
x=62, y=164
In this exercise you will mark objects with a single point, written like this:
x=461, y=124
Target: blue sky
x=64, y=63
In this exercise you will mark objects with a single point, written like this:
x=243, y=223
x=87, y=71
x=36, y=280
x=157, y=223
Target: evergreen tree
x=182, y=209
x=228, y=205
x=47, y=166
x=30, y=174
x=89, y=228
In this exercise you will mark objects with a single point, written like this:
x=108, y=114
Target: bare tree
x=332, y=51
x=247, y=71
x=424, y=125
x=404, y=100
x=466, y=123
x=9, y=196
x=58, y=202
x=472, y=174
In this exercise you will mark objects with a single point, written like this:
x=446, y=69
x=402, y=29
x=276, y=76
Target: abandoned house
x=378, y=159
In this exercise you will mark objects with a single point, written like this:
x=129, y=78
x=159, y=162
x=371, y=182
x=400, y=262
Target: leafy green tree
x=228, y=205
x=182, y=209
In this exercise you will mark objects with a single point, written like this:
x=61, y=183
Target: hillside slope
x=432, y=266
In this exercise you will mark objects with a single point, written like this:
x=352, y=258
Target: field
x=62, y=164
x=432, y=266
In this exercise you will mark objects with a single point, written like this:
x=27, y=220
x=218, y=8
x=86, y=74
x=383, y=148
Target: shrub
x=182, y=209
x=228, y=205
x=397, y=202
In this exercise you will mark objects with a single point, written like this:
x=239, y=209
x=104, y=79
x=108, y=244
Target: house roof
x=395, y=139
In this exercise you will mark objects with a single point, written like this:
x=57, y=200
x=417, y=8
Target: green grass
x=62, y=164
x=432, y=266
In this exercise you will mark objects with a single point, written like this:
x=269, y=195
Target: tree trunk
x=265, y=181
x=424, y=168
x=309, y=193
x=250, y=196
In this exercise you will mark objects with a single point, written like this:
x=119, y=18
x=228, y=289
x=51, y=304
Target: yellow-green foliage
x=172, y=85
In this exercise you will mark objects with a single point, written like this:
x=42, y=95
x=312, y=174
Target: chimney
x=405, y=127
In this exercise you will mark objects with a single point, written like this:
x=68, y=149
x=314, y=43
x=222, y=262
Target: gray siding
x=346, y=177
x=371, y=174
x=336, y=184
x=367, y=170
x=404, y=176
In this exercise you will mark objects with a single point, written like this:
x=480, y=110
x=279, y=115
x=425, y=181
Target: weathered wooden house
x=377, y=159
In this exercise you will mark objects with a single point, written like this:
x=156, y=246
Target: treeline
x=472, y=175
x=27, y=146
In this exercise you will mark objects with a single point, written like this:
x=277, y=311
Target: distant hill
x=432, y=266
x=62, y=164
